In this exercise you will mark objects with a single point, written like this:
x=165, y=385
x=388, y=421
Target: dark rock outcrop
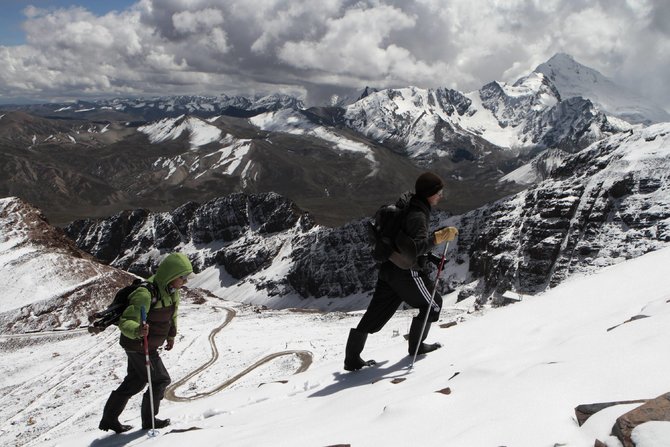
x=605, y=204
x=230, y=231
x=654, y=410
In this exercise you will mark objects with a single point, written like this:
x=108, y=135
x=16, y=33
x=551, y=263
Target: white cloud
x=188, y=22
x=188, y=46
x=353, y=44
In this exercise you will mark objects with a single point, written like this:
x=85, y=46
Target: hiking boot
x=356, y=364
x=116, y=426
x=416, y=337
x=110, y=415
x=355, y=345
x=158, y=423
x=425, y=348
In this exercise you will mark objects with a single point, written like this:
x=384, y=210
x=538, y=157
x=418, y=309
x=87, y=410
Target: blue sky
x=12, y=15
x=314, y=49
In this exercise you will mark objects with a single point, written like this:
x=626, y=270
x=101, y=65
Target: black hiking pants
x=395, y=285
x=136, y=380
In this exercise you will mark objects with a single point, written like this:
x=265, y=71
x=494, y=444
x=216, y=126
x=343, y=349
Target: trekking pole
x=432, y=300
x=152, y=432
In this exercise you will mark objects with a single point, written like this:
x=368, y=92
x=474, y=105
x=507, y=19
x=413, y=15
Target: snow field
x=521, y=370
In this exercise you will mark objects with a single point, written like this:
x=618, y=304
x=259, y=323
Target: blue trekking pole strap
x=143, y=315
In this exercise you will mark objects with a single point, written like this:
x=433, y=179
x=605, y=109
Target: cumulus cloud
x=330, y=46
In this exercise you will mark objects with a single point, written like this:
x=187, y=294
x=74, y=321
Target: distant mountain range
x=96, y=158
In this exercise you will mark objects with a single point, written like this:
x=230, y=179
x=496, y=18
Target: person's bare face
x=435, y=198
x=179, y=282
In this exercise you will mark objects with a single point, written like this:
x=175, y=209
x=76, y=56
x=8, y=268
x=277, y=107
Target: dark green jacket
x=162, y=315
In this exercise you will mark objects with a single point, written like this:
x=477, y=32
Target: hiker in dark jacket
x=161, y=327
x=404, y=277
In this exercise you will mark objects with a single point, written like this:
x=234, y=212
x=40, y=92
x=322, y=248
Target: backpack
x=99, y=321
x=383, y=229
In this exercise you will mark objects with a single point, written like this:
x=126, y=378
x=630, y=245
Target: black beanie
x=428, y=184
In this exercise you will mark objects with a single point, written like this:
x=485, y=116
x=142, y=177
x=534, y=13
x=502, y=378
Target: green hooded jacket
x=165, y=307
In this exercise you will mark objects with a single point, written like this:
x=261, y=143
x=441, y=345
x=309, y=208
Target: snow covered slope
x=53, y=284
x=511, y=376
x=574, y=79
x=538, y=169
x=293, y=122
x=199, y=132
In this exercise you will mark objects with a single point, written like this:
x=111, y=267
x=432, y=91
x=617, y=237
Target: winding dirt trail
x=171, y=391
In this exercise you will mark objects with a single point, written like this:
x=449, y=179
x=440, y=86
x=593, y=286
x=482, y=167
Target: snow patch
x=200, y=132
x=292, y=122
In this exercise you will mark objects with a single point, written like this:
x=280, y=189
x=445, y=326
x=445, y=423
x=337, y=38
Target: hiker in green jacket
x=160, y=328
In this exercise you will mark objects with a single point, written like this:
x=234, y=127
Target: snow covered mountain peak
x=536, y=84
x=574, y=79
x=512, y=104
x=532, y=84
x=199, y=132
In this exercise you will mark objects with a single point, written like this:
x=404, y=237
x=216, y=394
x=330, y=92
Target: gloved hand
x=144, y=330
x=433, y=258
x=445, y=234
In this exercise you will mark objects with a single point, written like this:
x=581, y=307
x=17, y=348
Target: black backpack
x=99, y=321
x=383, y=229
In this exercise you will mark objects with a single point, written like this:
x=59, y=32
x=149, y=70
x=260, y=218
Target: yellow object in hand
x=445, y=234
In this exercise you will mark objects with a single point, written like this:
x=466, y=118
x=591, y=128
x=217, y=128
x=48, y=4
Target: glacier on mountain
x=574, y=79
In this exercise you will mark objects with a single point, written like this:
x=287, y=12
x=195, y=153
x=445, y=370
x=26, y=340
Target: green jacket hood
x=171, y=268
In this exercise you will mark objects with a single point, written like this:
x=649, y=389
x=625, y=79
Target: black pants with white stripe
x=136, y=380
x=395, y=285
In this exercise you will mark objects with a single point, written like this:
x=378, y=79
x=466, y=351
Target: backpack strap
x=153, y=291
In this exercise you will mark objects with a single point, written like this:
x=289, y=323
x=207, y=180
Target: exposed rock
x=234, y=229
x=607, y=203
x=654, y=410
x=333, y=263
x=634, y=318
x=585, y=411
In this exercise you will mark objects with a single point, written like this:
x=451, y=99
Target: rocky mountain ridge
x=525, y=118
x=605, y=204
x=243, y=239
x=73, y=282
x=56, y=285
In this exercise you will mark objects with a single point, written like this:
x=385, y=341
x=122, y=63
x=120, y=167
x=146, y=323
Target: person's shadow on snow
x=365, y=376
x=118, y=440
